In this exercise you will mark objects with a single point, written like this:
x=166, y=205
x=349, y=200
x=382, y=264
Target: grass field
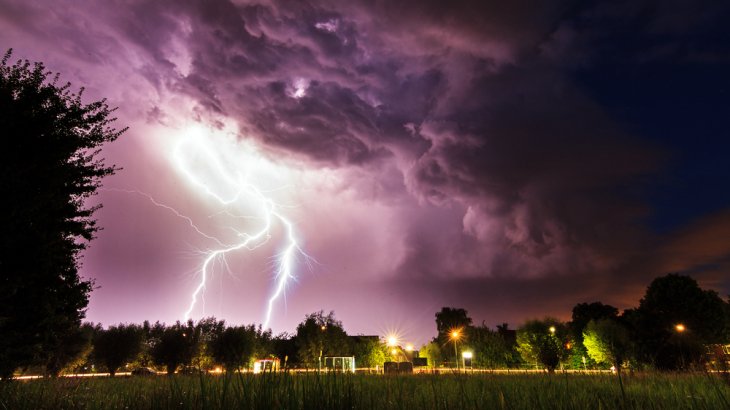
x=332, y=391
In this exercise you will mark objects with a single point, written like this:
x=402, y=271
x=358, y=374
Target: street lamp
x=680, y=328
x=391, y=341
x=552, y=330
x=455, y=336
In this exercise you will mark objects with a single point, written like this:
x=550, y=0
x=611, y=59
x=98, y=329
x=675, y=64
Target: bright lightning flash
x=205, y=170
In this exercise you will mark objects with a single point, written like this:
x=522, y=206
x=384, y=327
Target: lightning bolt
x=270, y=211
x=238, y=191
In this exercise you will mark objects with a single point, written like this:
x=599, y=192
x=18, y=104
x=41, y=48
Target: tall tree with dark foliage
x=117, y=345
x=676, y=321
x=49, y=167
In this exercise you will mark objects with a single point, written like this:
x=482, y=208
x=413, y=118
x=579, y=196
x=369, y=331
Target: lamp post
x=456, y=353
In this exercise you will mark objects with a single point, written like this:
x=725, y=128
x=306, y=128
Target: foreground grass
x=332, y=391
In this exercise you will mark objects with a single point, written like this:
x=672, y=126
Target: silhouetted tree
x=450, y=321
x=117, y=345
x=49, y=165
x=545, y=341
x=208, y=329
x=285, y=348
x=671, y=301
x=151, y=335
x=321, y=335
x=68, y=351
x=233, y=347
x=264, y=346
x=178, y=345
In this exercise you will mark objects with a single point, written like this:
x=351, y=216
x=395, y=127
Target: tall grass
x=336, y=391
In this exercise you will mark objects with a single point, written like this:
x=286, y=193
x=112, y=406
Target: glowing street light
x=324, y=327
x=552, y=330
x=680, y=328
x=409, y=348
x=391, y=341
x=455, y=337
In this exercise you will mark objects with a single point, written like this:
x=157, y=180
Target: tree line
x=206, y=344
x=676, y=326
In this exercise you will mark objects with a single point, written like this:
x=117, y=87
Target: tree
x=69, y=351
x=607, y=341
x=510, y=339
x=263, y=342
x=583, y=313
x=490, y=349
x=49, y=165
x=233, y=347
x=117, y=346
x=178, y=345
x=208, y=328
x=432, y=353
x=450, y=321
x=669, y=302
x=368, y=351
x=151, y=335
x=545, y=341
x=321, y=335
x=285, y=348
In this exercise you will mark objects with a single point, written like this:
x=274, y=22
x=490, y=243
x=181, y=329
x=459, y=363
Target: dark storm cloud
x=465, y=100
x=483, y=166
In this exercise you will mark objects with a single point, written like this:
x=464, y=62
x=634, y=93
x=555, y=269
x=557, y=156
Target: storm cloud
x=464, y=148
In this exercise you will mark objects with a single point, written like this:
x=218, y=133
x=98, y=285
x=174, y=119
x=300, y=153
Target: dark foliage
x=285, y=348
x=583, y=313
x=489, y=347
x=233, y=347
x=49, y=166
x=544, y=341
x=117, y=346
x=177, y=345
x=321, y=335
x=675, y=300
x=70, y=348
x=448, y=321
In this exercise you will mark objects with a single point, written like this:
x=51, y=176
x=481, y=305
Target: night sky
x=513, y=158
